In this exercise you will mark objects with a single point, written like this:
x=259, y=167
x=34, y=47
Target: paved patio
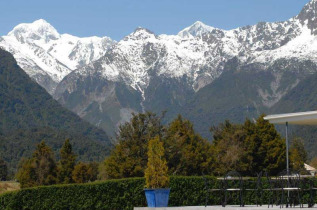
x=219, y=208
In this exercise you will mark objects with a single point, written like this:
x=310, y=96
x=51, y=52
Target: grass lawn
x=7, y=186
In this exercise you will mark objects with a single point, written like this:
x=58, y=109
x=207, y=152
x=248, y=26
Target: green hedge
x=119, y=194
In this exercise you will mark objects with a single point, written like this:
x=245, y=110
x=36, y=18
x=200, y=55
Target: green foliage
x=28, y=114
x=26, y=173
x=187, y=153
x=85, y=172
x=248, y=148
x=66, y=164
x=3, y=170
x=38, y=170
x=129, y=157
x=125, y=194
x=156, y=171
x=112, y=194
x=298, y=154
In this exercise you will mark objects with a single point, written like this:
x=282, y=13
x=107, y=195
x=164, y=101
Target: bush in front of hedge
x=124, y=194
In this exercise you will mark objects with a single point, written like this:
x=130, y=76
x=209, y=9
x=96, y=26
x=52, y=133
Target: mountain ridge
x=145, y=71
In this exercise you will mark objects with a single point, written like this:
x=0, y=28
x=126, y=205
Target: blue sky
x=119, y=18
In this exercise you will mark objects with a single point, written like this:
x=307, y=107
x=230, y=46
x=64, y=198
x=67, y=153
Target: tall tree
x=66, y=164
x=129, y=157
x=228, y=148
x=248, y=148
x=26, y=174
x=298, y=154
x=3, y=170
x=45, y=165
x=270, y=154
x=187, y=153
x=40, y=169
x=84, y=172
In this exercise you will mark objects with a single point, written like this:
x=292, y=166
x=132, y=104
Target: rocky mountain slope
x=207, y=74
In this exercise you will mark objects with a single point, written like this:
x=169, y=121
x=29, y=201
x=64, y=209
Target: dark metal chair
x=232, y=183
x=290, y=183
x=273, y=190
x=209, y=190
x=307, y=187
x=255, y=189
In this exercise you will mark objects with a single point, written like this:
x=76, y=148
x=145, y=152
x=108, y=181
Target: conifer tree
x=66, y=164
x=45, y=165
x=38, y=170
x=156, y=172
x=80, y=173
x=187, y=153
x=298, y=154
x=26, y=174
x=129, y=157
x=248, y=148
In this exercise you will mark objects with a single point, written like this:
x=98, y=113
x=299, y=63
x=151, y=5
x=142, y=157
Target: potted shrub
x=156, y=175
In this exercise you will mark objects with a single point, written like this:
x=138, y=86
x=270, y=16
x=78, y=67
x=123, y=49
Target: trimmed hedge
x=120, y=194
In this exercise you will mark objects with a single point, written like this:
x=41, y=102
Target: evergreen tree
x=298, y=154
x=26, y=174
x=38, y=170
x=248, y=148
x=187, y=153
x=45, y=165
x=270, y=155
x=228, y=149
x=85, y=172
x=156, y=171
x=66, y=164
x=3, y=170
x=129, y=157
x=93, y=171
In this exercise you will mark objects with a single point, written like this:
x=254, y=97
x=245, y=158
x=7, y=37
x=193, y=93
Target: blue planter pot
x=157, y=197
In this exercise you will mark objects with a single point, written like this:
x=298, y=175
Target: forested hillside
x=28, y=114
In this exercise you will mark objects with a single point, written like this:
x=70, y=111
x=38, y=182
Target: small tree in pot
x=156, y=175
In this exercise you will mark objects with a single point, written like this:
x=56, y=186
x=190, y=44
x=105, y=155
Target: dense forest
x=28, y=115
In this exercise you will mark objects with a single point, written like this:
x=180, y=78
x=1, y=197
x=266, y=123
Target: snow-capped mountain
x=48, y=56
x=105, y=81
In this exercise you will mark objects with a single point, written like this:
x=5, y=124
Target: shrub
x=121, y=194
x=156, y=171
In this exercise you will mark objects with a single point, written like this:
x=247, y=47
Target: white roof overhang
x=297, y=118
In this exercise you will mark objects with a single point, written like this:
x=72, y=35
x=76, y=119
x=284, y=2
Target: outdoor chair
x=232, y=184
x=255, y=188
x=208, y=190
x=290, y=183
x=273, y=189
x=307, y=186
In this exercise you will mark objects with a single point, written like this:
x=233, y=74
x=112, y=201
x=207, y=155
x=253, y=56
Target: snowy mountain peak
x=38, y=30
x=140, y=34
x=48, y=56
x=308, y=16
x=196, y=30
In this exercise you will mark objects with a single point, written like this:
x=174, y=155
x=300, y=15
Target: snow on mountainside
x=47, y=55
x=197, y=30
x=198, y=52
x=105, y=81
